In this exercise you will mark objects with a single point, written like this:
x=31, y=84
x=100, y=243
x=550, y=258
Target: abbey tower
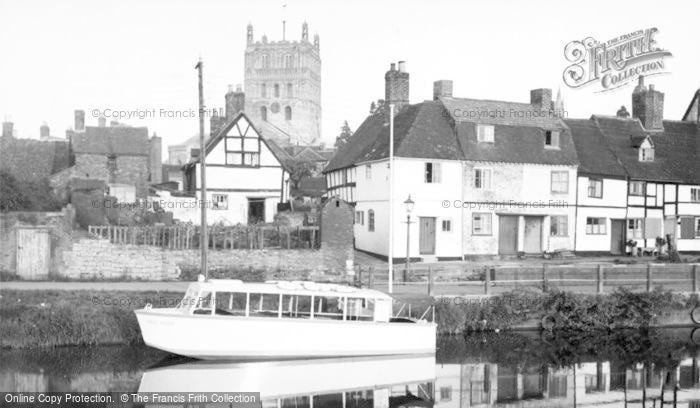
x=283, y=87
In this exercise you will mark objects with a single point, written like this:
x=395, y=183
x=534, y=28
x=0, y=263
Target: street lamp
x=409, y=207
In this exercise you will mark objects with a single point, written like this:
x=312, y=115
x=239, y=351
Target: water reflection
x=512, y=370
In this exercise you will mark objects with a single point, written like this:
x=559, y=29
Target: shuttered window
x=687, y=228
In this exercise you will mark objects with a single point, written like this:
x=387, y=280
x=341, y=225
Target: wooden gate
x=33, y=252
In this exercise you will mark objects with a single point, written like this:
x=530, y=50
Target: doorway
x=617, y=237
x=426, y=235
x=507, y=234
x=533, y=235
x=256, y=210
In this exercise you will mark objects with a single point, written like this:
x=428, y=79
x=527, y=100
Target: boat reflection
x=379, y=382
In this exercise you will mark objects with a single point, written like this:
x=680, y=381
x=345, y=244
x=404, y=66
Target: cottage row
x=502, y=178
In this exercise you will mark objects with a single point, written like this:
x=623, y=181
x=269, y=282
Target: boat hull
x=212, y=337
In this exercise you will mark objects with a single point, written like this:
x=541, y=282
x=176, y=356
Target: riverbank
x=55, y=318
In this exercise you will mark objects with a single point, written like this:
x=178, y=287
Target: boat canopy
x=288, y=288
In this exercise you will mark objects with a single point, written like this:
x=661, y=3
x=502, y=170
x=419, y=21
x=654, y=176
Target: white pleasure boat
x=230, y=319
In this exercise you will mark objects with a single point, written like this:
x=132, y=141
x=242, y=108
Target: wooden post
x=544, y=278
x=262, y=237
x=487, y=280
x=370, y=284
x=601, y=279
x=289, y=243
x=358, y=276
x=313, y=238
x=649, y=278
x=430, y=281
x=696, y=283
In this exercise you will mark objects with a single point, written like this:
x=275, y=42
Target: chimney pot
x=442, y=88
x=393, y=67
x=402, y=66
x=101, y=121
x=79, y=123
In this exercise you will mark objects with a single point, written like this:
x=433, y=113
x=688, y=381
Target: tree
x=299, y=170
x=377, y=108
x=26, y=195
x=344, y=136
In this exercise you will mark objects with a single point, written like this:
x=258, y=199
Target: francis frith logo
x=616, y=62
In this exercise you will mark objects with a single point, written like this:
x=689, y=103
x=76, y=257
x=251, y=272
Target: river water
x=517, y=369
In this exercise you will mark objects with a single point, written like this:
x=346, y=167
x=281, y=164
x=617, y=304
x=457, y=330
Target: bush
x=26, y=195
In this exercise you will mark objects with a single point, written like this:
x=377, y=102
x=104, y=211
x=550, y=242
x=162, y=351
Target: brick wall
x=132, y=170
x=336, y=235
x=32, y=160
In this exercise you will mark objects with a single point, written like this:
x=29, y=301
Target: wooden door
x=507, y=234
x=427, y=235
x=617, y=237
x=33, y=253
x=533, y=235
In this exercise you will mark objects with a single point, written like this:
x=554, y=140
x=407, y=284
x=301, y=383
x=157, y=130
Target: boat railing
x=405, y=311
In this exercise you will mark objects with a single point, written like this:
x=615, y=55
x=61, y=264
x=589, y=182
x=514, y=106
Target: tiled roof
x=499, y=113
x=594, y=154
x=309, y=155
x=429, y=130
x=606, y=146
x=117, y=140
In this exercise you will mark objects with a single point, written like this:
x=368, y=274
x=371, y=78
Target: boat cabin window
x=231, y=303
x=296, y=306
x=203, y=304
x=189, y=301
x=360, y=309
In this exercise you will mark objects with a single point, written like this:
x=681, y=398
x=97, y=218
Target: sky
x=58, y=56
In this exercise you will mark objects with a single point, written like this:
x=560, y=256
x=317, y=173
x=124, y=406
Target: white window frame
x=597, y=193
x=554, y=139
x=556, y=220
x=219, y=202
x=368, y=171
x=482, y=179
x=562, y=186
x=360, y=217
x=435, y=172
x=634, y=191
x=485, y=133
x=599, y=227
x=370, y=220
x=646, y=154
x=637, y=230
x=484, y=224
x=694, y=195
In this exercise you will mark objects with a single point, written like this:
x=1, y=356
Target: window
x=370, y=220
x=482, y=179
x=445, y=394
x=559, y=226
x=695, y=195
x=234, y=158
x=560, y=182
x=368, y=172
x=265, y=61
x=432, y=172
x=290, y=91
x=635, y=228
x=596, y=226
x=646, y=154
x=288, y=61
x=251, y=159
x=219, y=202
x=446, y=225
x=481, y=224
x=263, y=91
x=484, y=133
x=551, y=139
x=595, y=188
x=697, y=227
x=288, y=113
x=637, y=188
x=360, y=217
x=277, y=90
x=263, y=113
x=112, y=162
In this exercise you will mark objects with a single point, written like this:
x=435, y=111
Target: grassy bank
x=53, y=318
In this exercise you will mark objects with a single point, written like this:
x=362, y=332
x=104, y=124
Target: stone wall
x=132, y=170
x=60, y=226
x=294, y=263
x=97, y=258
x=336, y=223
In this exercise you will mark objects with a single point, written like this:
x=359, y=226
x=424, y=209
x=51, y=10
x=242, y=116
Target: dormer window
x=551, y=139
x=485, y=133
x=646, y=154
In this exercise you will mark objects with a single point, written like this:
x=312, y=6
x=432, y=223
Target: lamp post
x=409, y=207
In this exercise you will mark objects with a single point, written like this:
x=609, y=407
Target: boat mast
x=204, y=241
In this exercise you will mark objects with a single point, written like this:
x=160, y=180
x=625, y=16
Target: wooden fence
x=497, y=279
x=188, y=237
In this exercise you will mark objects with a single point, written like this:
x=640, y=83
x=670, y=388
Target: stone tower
x=283, y=87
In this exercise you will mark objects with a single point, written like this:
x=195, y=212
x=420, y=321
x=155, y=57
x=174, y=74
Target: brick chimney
x=396, y=89
x=648, y=106
x=101, y=121
x=44, y=130
x=113, y=123
x=541, y=99
x=442, y=88
x=216, y=122
x=79, y=124
x=7, y=127
x=235, y=101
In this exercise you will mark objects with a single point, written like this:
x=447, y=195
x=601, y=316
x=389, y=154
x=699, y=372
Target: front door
x=533, y=235
x=427, y=235
x=33, y=253
x=617, y=237
x=256, y=210
x=507, y=234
